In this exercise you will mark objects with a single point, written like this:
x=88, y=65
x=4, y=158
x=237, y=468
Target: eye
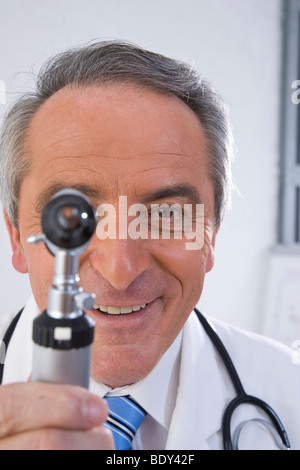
x=166, y=211
x=166, y=220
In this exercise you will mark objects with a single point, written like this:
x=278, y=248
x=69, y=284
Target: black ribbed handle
x=63, y=333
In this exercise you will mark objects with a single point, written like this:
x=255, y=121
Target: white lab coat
x=265, y=368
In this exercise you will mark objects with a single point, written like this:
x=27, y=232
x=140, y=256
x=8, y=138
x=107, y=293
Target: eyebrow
x=45, y=196
x=185, y=190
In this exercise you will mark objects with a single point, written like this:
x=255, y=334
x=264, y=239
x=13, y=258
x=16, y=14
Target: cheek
x=192, y=274
x=40, y=265
x=187, y=270
x=187, y=267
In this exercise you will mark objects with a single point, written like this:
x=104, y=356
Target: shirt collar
x=157, y=392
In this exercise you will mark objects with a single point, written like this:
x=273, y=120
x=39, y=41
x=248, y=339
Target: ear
x=210, y=260
x=18, y=258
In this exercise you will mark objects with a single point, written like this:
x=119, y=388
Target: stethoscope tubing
x=242, y=397
x=249, y=399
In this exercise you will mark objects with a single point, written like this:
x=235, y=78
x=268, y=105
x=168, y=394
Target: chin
x=121, y=365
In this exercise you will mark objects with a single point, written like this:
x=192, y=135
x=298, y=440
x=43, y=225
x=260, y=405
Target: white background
x=237, y=45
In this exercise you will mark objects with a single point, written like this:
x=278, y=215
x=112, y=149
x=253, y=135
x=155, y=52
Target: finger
x=98, y=438
x=28, y=406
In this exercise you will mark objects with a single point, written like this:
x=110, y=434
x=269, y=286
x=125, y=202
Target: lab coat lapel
x=202, y=392
x=18, y=359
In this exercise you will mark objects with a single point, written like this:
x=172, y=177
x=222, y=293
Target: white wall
x=237, y=44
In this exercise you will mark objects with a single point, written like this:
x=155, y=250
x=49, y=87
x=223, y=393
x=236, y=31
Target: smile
x=118, y=310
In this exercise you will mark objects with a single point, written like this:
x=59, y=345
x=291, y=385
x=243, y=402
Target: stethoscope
x=275, y=426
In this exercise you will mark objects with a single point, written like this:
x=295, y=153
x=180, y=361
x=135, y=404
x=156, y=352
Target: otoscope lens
x=69, y=220
x=69, y=217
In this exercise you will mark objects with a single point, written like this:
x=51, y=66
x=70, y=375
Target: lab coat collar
x=202, y=392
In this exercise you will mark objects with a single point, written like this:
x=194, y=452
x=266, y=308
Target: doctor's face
x=113, y=141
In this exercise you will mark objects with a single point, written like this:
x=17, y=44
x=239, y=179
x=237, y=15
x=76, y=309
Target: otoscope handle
x=62, y=349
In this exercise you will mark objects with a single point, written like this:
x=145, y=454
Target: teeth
x=114, y=310
x=119, y=310
x=126, y=309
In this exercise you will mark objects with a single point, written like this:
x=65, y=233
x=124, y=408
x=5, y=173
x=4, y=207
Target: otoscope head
x=68, y=221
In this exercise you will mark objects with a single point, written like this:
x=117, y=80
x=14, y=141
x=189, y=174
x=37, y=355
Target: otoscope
x=63, y=333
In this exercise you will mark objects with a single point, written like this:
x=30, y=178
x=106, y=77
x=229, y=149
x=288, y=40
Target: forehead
x=116, y=136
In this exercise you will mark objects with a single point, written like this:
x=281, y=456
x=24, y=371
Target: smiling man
x=114, y=121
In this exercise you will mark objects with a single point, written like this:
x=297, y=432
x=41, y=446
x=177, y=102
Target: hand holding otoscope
x=63, y=333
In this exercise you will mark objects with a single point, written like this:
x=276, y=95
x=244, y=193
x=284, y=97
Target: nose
x=120, y=261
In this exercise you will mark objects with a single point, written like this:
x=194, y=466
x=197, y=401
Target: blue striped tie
x=125, y=416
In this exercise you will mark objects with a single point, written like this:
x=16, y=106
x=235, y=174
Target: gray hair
x=112, y=62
